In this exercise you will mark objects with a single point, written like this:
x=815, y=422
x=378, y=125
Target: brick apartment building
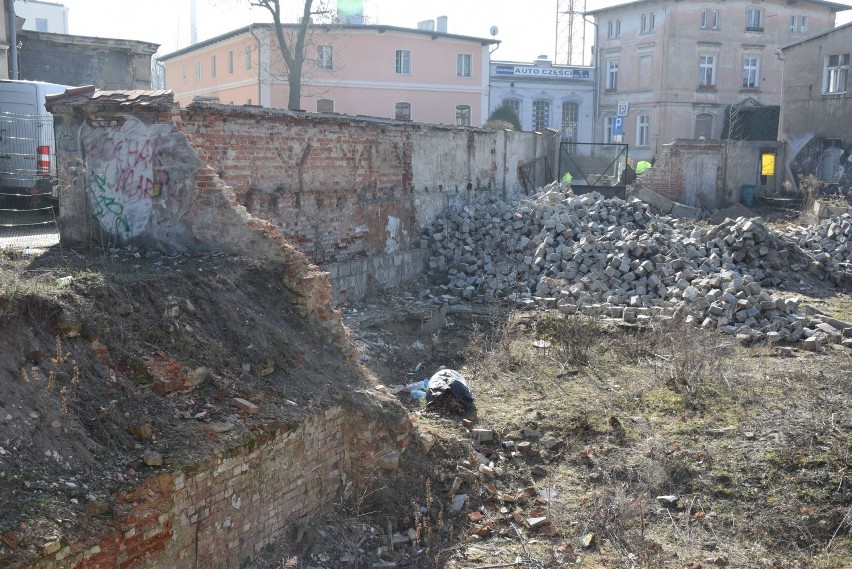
x=680, y=64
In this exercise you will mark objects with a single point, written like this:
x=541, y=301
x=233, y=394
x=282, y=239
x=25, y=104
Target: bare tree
x=292, y=50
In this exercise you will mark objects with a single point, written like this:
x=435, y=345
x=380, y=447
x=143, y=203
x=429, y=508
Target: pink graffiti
x=138, y=169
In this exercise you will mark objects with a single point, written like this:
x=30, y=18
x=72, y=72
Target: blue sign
x=541, y=72
x=617, y=125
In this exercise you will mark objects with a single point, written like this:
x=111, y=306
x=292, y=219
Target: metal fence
x=594, y=167
x=27, y=170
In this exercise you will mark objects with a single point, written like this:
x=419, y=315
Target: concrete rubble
x=617, y=259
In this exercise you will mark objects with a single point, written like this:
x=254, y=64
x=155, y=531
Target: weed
x=574, y=337
x=64, y=370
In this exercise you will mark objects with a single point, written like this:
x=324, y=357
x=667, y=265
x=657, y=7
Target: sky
x=527, y=29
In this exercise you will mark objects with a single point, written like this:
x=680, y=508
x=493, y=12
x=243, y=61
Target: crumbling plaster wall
x=79, y=60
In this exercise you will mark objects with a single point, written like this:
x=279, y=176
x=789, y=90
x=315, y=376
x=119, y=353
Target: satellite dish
x=493, y=30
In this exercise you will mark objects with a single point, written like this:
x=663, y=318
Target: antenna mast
x=570, y=32
x=193, y=23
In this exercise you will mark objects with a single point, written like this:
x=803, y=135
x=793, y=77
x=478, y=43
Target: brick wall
x=223, y=512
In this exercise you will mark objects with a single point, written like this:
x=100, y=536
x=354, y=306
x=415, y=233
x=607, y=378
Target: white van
x=27, y=147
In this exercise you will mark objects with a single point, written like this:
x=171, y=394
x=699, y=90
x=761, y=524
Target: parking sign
x=623, y=107
x=617, y=125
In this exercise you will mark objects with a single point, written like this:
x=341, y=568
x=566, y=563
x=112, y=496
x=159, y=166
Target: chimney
x=428, y=25
x=442, y=24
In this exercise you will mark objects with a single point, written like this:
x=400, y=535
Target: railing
x=594, y=167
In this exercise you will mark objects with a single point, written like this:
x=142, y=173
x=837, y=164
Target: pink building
x=374, y=70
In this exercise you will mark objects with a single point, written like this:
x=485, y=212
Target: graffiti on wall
x=127, y=174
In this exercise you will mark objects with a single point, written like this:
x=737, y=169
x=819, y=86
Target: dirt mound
x=117, y=364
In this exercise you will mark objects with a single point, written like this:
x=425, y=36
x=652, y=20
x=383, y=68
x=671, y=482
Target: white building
x=545, y=95
x=43, y=16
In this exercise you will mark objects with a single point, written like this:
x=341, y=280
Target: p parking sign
x=617, y=125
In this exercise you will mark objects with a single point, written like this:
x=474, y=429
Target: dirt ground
x=589, y=444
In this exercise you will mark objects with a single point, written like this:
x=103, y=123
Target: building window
x=608, y=130
x=515, y=105
x=402, y=112
x=707, y=71
x=646, y=66
x=541, y=115
x=463, y=65
x=751, y=72
x=570, y=115
x=643, y=127
x=836, y=73
x=754, y=20
x=325, y=106
x=41, y=24
x=463, y=115
x=248, y=57
x=230, y=61
x=709, y=19
x=647, y=23
x=614, y=28
x=403, y=62
x=704, y=126
x=198, y=71
x=212, y=66
x=612, y=75
x=798, y=25
x=325, y=57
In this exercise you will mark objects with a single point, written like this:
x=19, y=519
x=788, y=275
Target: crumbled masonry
x=615, y=258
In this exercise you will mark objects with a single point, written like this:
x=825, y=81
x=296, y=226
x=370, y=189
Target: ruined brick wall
x=219, y=514
x=353, y=194
x=329, y=185
x=346, y=188
x=690, y=172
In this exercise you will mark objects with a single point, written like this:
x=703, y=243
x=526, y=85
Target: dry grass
x=756, y=447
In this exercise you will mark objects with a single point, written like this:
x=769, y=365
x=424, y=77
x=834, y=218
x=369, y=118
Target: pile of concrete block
x=830, y=244
x=615, y=258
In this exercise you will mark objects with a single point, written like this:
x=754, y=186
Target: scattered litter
x=448, y=387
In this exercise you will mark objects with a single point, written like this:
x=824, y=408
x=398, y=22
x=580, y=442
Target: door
x=700, y=181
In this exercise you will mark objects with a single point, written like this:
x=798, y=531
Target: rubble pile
x=830, y=243
x=614, y=257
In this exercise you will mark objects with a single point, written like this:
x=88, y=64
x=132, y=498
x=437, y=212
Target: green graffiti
x=107, y=207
